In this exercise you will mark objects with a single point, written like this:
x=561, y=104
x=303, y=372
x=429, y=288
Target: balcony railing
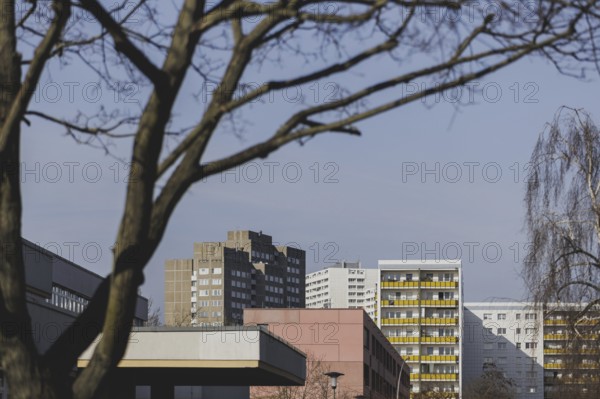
x=564, y=337
x=425, y=340
x=426, y=321
x=564, y=322
x=419, y=284
x=431, y=358
x=438, y=303
x=434, y=376
x=570, y=366
x=570, y=351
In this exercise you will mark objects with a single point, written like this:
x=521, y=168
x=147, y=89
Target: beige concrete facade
x=247, y=270
x=342, y=340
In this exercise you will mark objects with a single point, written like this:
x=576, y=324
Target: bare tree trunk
x=18, y=355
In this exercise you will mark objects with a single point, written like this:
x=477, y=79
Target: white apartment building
x=420, y=312
x=342, y=285
x=509, y=337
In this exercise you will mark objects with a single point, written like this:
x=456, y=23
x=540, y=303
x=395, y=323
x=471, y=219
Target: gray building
x=245, y=271
x=58, y=290
x=505, y=336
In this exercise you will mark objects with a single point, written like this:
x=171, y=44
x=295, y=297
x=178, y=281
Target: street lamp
x=399, y=377
x=333, y=376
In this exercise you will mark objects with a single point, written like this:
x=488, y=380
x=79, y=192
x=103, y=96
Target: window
x=488, y=346
x=530, y=316
x=487, y=316
x=501, y=345
x=502, y=360
x=216, y=292
x=203, y=293
x=217, y=270
x=203, y=281
x=518, y=316
x=409, y=277
x=501, y=316
x=501, y=331
x=531, y=389
x=488, y=360
x=530, y=331
x=518, y=345
x=365, y=338
x=518, y=331
x=203, y=271
x=216, y=281
x=530, y=345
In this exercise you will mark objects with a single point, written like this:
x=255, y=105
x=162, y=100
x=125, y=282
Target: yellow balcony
x=439, y=359
x=400, y=302
x=564, y=337
x=439, y=303
x=439, y=284
x=396, y=322
x=426, y=321
x=564, y=322
x=433, y=377
x=399, y=284
x=441, y=321
x=445, y=303
x=570, y=351
x=425, y=340
x=420, y=284
x=570, y=366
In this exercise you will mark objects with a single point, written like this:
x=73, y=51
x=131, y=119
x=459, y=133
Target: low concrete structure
x=342, y=340
x=165, y=357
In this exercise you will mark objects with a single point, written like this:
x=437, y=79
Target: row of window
x=274, y=279
x=205, y=314
x=204, y=304
x=206, y=281
x=275, y=290
x=202, y=293
x=502, y=316
x=239, y=273
x=206, y=270
x=502, y=345
x=238, y=284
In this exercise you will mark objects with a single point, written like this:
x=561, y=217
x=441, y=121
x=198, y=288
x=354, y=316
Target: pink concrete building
x=342, y=340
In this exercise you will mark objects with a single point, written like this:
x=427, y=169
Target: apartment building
x=505, y=336
x=58, y=290
x=535, y=347
x=246, y=271
x=420, y=313
x=571, y=351
x=344, y=285
x=342, y=340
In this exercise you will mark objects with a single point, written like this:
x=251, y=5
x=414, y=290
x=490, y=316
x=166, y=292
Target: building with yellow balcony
x=420, y=312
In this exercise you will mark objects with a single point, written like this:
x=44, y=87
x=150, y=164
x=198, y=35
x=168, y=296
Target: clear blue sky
x=369, y=200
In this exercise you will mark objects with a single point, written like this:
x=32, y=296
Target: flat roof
x=234, y=356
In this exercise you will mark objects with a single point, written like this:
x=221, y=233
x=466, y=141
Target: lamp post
x=333, y=376
x=399, y=377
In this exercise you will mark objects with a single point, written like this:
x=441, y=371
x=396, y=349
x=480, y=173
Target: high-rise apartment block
x=505, y=336
x=245, y=271
x=535, y=347
x=420, y=313
x=344, y=285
